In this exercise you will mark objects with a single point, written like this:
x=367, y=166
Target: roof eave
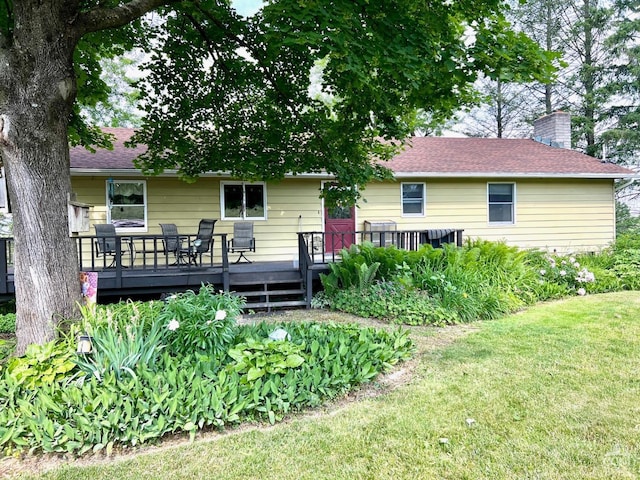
x=514, y=175
x=131, y=172
x=85, y=172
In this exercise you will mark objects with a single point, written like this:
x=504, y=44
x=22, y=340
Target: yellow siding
x=292, y=206
x=562, y=215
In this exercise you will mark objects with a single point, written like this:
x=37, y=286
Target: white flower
x=563, y=262
x=576, y=264
x=542, y=271
x=552, y=264
x=582, y=291
x=563, y=273
x=173, y=325
x=221, y=315
x=572, y=259
x=208, y=322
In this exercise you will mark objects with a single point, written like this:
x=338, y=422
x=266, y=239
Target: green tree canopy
x=311, y=86
x=226, y=93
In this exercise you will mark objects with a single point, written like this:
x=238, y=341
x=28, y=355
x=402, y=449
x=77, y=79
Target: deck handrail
x=304, y=263
x=324, y=247
x=315, y=250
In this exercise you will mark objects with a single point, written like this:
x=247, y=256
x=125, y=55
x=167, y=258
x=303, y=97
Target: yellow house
x=527, y=192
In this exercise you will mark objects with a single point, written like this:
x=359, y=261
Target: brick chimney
x=553, y=129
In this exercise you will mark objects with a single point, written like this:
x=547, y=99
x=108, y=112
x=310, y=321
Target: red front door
x=339, y=227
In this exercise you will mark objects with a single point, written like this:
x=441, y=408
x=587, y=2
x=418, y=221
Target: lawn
x=549, y=393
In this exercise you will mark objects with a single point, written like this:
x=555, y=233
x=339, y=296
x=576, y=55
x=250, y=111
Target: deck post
x=118, y=259
x=304, y=265
x=226, y=281
x=4, y=284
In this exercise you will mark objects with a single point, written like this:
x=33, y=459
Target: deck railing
x=146, y=254
x=324, y=247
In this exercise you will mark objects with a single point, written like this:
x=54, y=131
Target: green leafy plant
x=566, y=272
x=264, y=379
x=120, y=343
x=256, y=358
x=42, y=365
x=200, y=322
x=395, y=303
x=8, y=323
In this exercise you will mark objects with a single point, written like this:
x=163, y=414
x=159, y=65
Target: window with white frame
x=414, y=199
x=127, y=204
x=5, y=206
x=243, y=201
x=501, y=202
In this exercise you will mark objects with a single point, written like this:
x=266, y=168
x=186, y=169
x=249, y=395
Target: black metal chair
x=243, y=240
x=106, y=244
x=192, y=253
x=171, y=241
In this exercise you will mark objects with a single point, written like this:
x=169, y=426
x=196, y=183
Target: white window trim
x=513, y=204
x=4, y=192
x=244, y=200
x=144, y=196
x=424, y=200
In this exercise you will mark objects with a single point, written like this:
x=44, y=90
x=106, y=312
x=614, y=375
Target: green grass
x=553, y=393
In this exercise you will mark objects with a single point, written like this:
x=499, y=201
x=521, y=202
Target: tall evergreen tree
x=622, y=138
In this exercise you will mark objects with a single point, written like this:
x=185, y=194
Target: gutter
x=86, y=172
x=131, y=172
x=612, y=176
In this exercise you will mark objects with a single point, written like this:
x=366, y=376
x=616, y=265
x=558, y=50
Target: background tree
x=577, y=30
x=118, y=108
x=225, y=93
x=503, y=113
x=622, y=138
x=541, y=21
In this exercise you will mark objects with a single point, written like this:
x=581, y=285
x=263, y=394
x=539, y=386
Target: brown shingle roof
x=119, y=158
x=424, y=156
x=443, y=156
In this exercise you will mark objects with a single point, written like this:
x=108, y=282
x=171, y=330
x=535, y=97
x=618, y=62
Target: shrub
x=201, y=322
x=8, y=323
x=565, y=272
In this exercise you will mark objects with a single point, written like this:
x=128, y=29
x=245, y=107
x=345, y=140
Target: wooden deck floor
x=135, y=281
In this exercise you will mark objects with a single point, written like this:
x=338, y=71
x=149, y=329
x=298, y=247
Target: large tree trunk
x=40, y=86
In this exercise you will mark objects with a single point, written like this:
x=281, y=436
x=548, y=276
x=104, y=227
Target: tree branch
x=106, y=18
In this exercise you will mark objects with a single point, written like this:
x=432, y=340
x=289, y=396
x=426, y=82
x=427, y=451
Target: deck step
x=270, y=293
x=277, y=304
x=252, y=280
x=277, y=291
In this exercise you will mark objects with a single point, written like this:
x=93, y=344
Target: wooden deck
x=144, y=270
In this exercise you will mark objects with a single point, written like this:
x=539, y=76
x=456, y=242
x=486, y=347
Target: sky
x=247, y=7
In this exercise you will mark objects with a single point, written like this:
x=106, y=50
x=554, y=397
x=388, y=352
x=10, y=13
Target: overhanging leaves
x=312, y=86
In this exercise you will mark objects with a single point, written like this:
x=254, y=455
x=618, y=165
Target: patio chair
x=171, y=241
x=243, y=240
x=203, y=242
x=187, y=254
x=106, y=244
